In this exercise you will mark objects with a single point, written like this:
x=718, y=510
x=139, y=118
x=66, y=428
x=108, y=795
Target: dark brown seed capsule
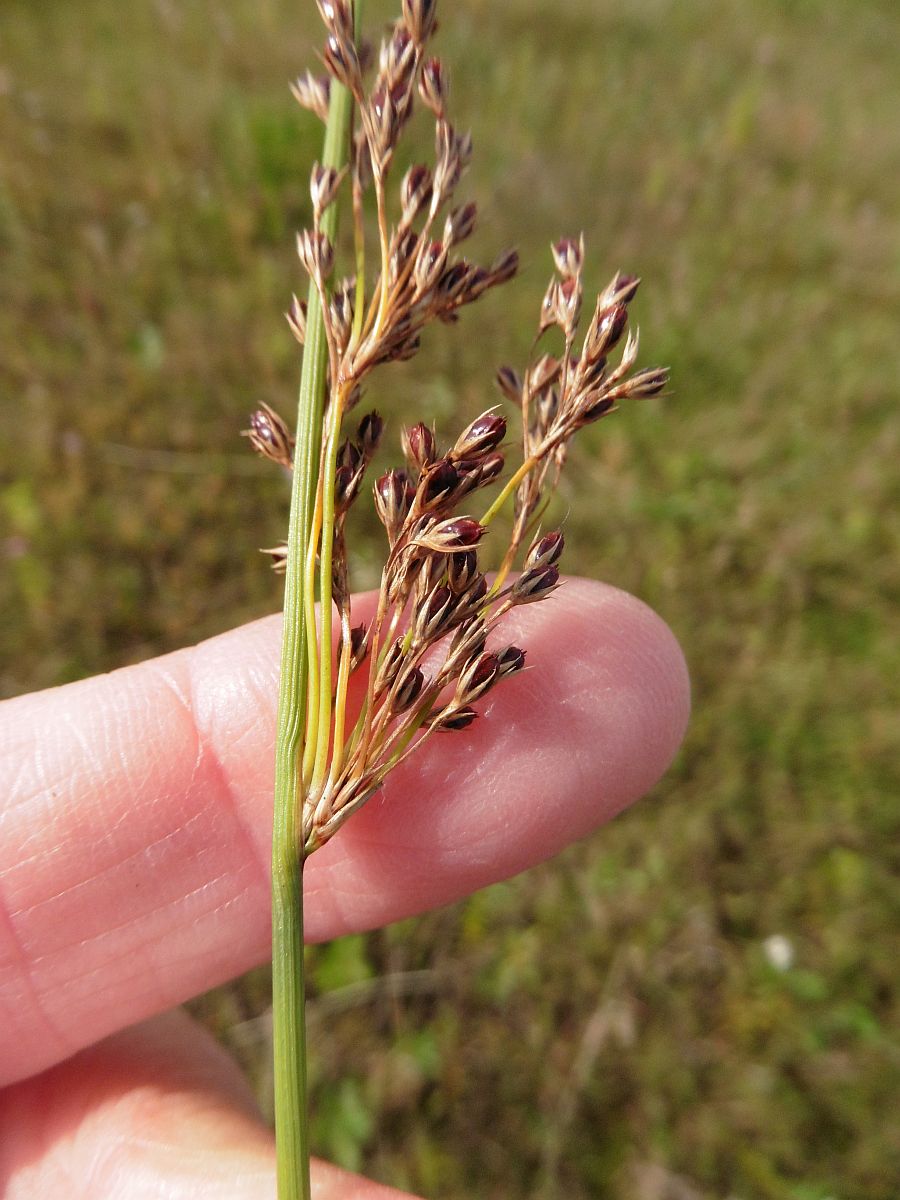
x=437, y=483
x=607, y=329
x=568, y=303
x=469, y=640
x=323, y=185
x=457, y=533
x=453, y=719
x=534, y=584
x=648, y=383
x=592, y=373
x=342, y=60
x=509, y=661
x=316, y=253
x=392, y=500
x=504, y=267
x=349, y=455
x=471, y=598
x=336, y=15
x=369, y=433
x=429, y=266
x=567, y=256
x=452, y=282
x=545, y=551
x=477, y=677
x=490, y=467
x=415, y=192
x=419, y=446
x=595, y=407
x=485, y=433
x=460, y=223
x=433, y=86
x=624, y=288
x=461, y=570
x=407, y=690
x=476, y=472
x=419, y=18
x=510, y=384
x=359, y=645
x=433, y=614
x=390, y=666
x=397, y=57
x=346, y=486
x=269, y=436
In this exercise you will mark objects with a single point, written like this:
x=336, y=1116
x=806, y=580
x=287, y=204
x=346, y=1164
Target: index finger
x=135, y=827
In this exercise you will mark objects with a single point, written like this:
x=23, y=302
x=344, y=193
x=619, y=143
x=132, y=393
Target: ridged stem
x=288, y=986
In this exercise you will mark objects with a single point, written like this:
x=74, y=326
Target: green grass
x=608, y=1025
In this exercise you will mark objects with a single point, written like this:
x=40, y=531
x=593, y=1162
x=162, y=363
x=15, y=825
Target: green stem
x=289, y=1036
x=510, y=487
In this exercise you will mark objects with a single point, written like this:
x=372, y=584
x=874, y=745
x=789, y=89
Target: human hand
x=135, y=814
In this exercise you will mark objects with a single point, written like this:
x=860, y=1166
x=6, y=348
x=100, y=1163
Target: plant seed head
x=545, y=551
x=510, y=384
x=432, y=616
x=462, y=568
x=476, y=678
x=457, y=533
x=393, y=499
x=419, y=17
x=390, y=666
x=296, y=319
x=594, y=406
x=439, y=480
x=568, y=255
x=509, y=661
x=341, y=59
x=359, y=645
x=312, y=93
x=407, y=690
x=621, y=290
x=269, y=436
x=460, y=224
x=433, y=86
x=316, y=253
x=323, y=185
x=477, y=472
x=484, y=434
x=369, y=433
x=504, y=267
x=419, y=446
x=534, y=584
x=607, y=327
x=648, y=383
x=452, y=719
x=415, y=191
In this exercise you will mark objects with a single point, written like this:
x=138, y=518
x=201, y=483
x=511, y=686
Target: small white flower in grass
x=779, y=950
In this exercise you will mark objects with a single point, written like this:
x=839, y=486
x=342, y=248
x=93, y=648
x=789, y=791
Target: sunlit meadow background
x=697, y=1002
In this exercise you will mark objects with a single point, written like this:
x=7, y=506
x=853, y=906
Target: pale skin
x=134, y=843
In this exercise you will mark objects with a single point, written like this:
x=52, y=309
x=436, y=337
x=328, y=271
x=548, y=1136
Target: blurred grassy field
x=620, y=1023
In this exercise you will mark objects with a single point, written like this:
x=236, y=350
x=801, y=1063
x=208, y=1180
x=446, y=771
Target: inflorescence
x=430, y=651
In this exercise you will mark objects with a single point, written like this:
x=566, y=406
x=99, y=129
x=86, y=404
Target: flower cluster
x=431, y=651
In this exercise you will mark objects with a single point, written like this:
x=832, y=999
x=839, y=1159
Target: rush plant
x=435, y=645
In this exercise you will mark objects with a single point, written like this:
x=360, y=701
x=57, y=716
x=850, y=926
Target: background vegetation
x=698, y=1001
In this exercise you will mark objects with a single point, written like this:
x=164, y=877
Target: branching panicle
x=426, y=649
